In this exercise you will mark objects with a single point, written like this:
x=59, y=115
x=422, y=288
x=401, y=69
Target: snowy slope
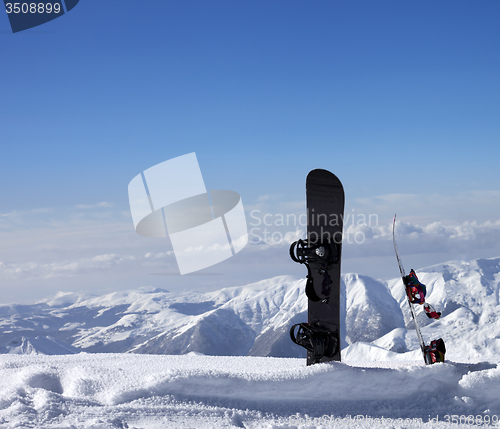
x=467, y=295
x=244, y=320
x=39, y=345
x=371, y=310
x=110, y=391
x=381, y=381
x=226, y=322
x=254, y=319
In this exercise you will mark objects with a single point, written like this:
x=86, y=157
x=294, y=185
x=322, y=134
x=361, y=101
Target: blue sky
x=400, y=99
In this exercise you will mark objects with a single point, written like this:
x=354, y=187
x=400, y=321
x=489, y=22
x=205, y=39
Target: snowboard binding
x=319, y=256
x=431, y=312
x=435, y=352
x=315, y=339
x=321, y=252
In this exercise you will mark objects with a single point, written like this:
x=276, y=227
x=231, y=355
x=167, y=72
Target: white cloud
x=432, y=237
x=94, y=206
x=368, y=249
x=427, y=208
x=81, y=266
x=41, y=251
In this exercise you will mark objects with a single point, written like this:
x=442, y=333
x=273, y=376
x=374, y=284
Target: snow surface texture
x=382, y=374
x=193, y=391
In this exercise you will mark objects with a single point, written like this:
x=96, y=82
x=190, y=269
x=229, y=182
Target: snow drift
x=153, y=391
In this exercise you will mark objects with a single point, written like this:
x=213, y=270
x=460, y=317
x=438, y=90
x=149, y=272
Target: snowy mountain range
x=254, y=320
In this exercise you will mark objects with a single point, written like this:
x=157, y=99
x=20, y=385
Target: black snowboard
x=321, y=254
x=325, y=214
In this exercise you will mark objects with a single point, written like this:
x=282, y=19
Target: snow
x=158, y=391
x=39, y=345
x=254, y=319
x=148, y=358
x=370, y=308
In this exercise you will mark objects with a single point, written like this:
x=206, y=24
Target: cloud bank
x=96, y=248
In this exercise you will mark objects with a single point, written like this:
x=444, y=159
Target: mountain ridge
x=254, y=319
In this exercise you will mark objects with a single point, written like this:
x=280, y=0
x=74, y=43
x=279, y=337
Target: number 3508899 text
x=33, y=7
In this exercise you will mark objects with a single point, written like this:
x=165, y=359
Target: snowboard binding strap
x=316, y=340
x=311, y=293
x=321, y=252
x=320, y=256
